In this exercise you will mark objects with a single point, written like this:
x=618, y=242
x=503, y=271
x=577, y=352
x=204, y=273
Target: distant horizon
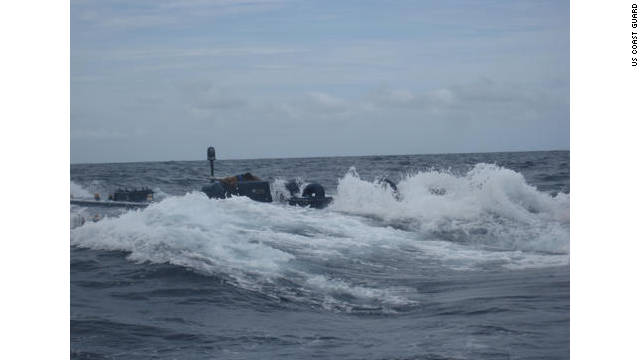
x=316, y=157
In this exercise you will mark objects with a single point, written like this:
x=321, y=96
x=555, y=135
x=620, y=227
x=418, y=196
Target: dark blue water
x=470, y=262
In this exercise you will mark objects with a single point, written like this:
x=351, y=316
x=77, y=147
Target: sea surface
x=469, y=260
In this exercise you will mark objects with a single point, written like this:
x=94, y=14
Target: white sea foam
x=489, y=205
x=252, y=244
x=78, y=191
x=487, y=217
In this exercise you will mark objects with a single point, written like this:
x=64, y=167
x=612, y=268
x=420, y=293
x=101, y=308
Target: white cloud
x=315, y=104
x=386, y=97
x=185, y=69
x=326, y=101
x=203, y=100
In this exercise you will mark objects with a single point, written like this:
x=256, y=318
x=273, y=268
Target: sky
x=157, y=80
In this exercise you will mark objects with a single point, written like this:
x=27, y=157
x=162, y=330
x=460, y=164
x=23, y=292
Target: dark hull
x=109, y=203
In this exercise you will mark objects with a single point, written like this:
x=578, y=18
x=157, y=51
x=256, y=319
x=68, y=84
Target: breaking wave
x=489, y=205
x=277, y=250
x=79, y=192
x=485, y=218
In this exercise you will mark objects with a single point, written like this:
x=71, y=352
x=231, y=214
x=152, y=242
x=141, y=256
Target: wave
x=78, y=191
x=489, y=205
x=486, y=218
x=255, y=246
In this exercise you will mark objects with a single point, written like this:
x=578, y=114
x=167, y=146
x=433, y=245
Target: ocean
x=470, y=260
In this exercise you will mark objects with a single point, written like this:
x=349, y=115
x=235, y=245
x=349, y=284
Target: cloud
x=97, y=134
x=171, y=53
x=478, y=101
x=117, y=14
x=137, y=21
x=392, y=120
x=326, y=102
x=218, y=100
x=312, y=105
x=473, y=96
x=392, y=73
x=386, y=97
x=203, y=99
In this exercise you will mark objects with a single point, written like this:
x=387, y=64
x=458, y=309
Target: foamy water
x=490, y=205
x=371, y=250
x=488, y=216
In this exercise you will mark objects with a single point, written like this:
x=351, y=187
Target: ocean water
x=470, y=261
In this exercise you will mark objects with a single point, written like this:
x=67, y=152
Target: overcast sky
x=164, y=79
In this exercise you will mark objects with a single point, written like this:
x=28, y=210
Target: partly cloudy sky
x=164, y=79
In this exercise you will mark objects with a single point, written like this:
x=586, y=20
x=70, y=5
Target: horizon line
x=317, y=157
